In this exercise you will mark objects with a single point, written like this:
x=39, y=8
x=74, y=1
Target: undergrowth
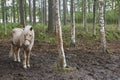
x=42, y=35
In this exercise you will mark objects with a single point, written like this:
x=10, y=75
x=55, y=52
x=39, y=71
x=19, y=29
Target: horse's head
x=28, y=36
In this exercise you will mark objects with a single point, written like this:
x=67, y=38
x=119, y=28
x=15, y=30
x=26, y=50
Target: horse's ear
x=31, y=28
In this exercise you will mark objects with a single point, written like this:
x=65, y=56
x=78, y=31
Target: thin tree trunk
x=102, y=25
x=50, y=16
x=22, y=17
x=89, y=2
x=3, y=12
x=25, y=10
x=72, y=23
x=118, y=4
x=13, y=1
x=18, y=12
x=94, y=18
x=44, y=12
x=119, y=17
x=60, y=8
x=64, y=11
x=30, y=12
x=34, y=12
x=62, y=61
x=85, y=16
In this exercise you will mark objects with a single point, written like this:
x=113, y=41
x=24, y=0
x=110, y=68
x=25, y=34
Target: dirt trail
x=89, y=64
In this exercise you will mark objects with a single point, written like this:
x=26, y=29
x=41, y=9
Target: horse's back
x=16, y=33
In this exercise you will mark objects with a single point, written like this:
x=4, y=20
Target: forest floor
x=88, y=63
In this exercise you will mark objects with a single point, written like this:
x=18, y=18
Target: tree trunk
x=94, y=18
x=62, y=61
x=89, y=7
x=30, y=12
x=50, y=16
x=64, y=11
x=18, y=12
x=60, y=8
x=3, y=10
x=118, y=15
x=21, y=9
x=102, y=24
x=25, y=10
x=72, y=23
x=13, y=1
x=34, y=12
x=85, y=16
x=44, y=12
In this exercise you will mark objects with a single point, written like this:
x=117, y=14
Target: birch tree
x=72, y=23
x=61, y=61
x=102, y=25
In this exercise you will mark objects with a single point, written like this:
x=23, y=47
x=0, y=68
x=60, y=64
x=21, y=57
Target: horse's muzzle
x=25, y=46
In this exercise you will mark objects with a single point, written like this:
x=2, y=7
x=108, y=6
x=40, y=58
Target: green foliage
x=82, y=36
x=41, y=36
x=111, y=17
x=9, y=27
x=78, y=17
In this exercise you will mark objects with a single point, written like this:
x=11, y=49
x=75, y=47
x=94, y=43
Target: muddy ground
x=89, y=63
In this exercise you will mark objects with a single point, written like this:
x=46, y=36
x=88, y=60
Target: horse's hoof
x=19, y=60
x=25, y=67
x=15, y=60
x=28, y=65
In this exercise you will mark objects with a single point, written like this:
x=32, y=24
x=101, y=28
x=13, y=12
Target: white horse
x=22, y=38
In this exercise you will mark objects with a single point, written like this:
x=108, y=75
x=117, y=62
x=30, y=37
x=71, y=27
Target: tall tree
x=44, y=12
x=25, y=10
x=64, y=11
x=30, y=11
x=85, y=15
x=62, y=61
x=13, y=2
x=102, y=25
x=50, y=16
x=118, y=9
x=4, y=15
x=3, y=10
x=34, y=12
x=94, y=17
x=21, y=9
x=89, y=5
x=72, y=23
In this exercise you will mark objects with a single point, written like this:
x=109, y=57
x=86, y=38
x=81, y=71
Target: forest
x=74, y=39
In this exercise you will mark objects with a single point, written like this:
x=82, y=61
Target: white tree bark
x=72, y=23
x=102, y=25
x=62, y=60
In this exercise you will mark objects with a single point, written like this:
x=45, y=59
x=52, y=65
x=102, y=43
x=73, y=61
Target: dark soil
x=88, y=63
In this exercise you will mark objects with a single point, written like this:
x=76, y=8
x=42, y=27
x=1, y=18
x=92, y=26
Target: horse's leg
x=11, y=51
x=15, y=53
x=18, y=54
x=28, y=59
x=24, y=61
